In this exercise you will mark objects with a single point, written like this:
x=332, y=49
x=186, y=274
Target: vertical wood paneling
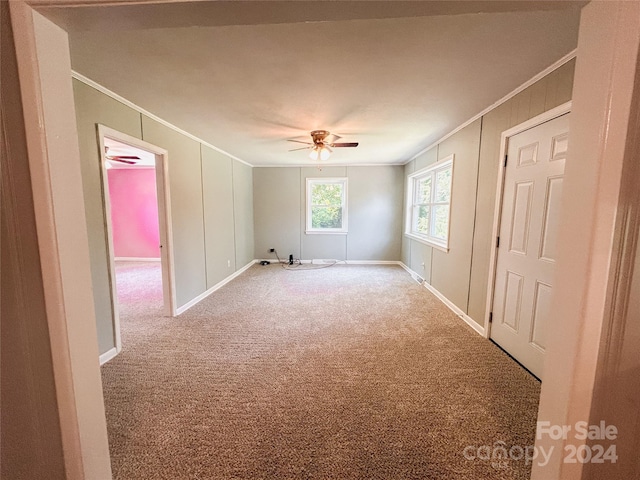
x=375, y=212
x=552, y=89
x=424, y=160
x=375, y=203
x=523, y=105
x=420, y=258
x=93, y=107
x=450, y=270
x=560, y=85
x=420, y=254
x=209, y=228
x=405, y=253
x=565, y=83
x=549, y=92
x=277, y=205
x=219, y=232
x=187, y=216
x=243, y=213
x=538, y=96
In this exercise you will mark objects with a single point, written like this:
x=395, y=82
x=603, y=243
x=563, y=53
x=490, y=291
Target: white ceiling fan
x=128, y=159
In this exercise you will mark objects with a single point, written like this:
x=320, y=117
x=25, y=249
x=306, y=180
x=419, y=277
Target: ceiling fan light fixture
x=319, y=152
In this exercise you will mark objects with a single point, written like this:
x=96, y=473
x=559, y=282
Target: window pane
x=423, y=190
x=326, y=194
x=440, y=221
x=326, y=217
x=422, y=219
x=443, y=185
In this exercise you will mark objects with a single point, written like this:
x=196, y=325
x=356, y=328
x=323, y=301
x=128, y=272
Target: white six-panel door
x=527, y=245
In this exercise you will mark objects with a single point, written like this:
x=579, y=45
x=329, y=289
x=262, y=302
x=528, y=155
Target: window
x=326, y=205
x=429, y=204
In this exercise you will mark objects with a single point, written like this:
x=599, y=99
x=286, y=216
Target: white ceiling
x=395, y=85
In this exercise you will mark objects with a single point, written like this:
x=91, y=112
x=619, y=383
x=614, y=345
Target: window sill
x=324, y=232
x=442, y=248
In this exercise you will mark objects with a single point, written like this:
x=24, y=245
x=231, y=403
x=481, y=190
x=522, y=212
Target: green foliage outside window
x=326, y=205
x=431, y=203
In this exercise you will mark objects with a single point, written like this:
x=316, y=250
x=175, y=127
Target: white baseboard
x=373, y=262
x=411, y=272
x=319, y=261
x=108, y=355
x=217, y=286
x=454, y=308
x=136, y=259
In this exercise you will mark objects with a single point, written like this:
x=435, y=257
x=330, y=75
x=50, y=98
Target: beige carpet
x=349, y=372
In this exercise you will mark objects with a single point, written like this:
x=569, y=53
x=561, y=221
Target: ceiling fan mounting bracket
x=318, y=136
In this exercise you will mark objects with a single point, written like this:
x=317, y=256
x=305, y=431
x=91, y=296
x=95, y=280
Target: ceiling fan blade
x=344, y=144
x=301, y=148
x=299, y=141
x=122, y=160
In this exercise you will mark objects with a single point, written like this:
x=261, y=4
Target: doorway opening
x=137, y=215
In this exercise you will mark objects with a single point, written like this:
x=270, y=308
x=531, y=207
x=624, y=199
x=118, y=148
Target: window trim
x=345, y=190
x=411, y=185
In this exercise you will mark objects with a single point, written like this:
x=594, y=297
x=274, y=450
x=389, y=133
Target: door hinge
x=490, y=317
x=505, y=160
x=498, y=242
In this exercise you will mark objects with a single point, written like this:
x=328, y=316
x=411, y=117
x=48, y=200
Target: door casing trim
x=164, y=217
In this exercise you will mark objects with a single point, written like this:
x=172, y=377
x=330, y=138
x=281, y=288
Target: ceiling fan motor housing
x=318, y=136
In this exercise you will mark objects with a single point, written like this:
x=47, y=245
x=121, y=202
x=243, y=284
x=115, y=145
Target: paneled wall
x=187, y=213
x=211, y=203
x=374, y=213
x=243, y=212
x=93, y=107
x=217, y=195
x=213, y=199
x=461, y=275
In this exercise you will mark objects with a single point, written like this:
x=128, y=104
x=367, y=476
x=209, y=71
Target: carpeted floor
x=349, y=372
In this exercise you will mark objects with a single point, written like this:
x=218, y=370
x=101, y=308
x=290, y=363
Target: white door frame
x=164, y=224
x=497, y=214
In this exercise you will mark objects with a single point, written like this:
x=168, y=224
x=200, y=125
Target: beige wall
x=374, y=213
x=211, y=203
x=461, y=275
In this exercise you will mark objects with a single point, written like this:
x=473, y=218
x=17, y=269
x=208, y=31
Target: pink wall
x=134, y=212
